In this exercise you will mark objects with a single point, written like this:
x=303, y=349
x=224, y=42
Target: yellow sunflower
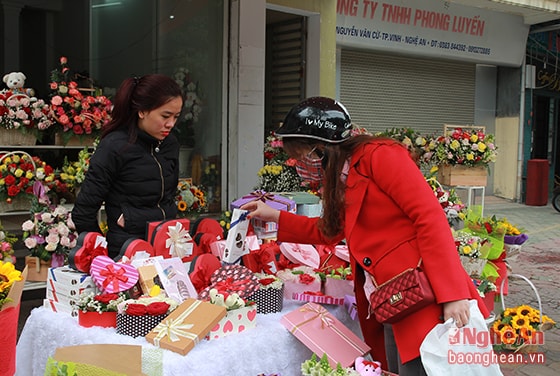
x=524, y=310
x=508, y=335
x=519, y=322
x=510, y=312
x=498, y=326
x=8, y=275
x=182, y=206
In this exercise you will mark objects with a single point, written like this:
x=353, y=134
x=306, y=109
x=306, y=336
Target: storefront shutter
x=388, y=91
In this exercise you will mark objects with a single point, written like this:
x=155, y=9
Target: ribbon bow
x=317, y=311
x=176, y=329
x=265, y=196
x=229, y=285
x=94, y=248
x=178, y=241
x=112, y=276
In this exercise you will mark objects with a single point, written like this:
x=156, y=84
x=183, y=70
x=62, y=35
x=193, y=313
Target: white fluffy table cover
x=268, y=348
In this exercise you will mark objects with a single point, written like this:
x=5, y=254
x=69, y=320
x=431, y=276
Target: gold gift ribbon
x=174, y=329
x=326, y=321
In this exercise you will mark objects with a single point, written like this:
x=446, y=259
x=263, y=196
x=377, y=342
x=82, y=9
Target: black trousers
x=410, y=368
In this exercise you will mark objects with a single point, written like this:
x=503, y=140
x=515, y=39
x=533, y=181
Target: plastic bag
x=460, y=351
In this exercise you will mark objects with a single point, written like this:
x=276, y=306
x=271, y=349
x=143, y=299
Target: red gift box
x=102, y=319
x=232, y=279
x=323, y=333
x=171, y=238
x=88, y=246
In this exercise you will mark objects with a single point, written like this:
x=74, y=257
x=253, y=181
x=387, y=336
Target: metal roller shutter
x=388, y=91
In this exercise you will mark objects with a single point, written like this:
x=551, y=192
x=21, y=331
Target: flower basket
x=38, y=269
x=473, y=266
x=14, y=137
x=104, y=319
x=543, y=325
x=21, y=202
x=454, y=175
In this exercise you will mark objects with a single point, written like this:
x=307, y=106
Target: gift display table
x=268, y=348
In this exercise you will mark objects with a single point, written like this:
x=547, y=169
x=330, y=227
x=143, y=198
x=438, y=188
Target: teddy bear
x=366, y=367
x=15, y=82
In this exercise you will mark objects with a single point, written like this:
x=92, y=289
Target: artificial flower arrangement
x=279, y=172
x=137, y=317
x=10, y=275
x=100, y=302
x=7, y=241
x=73, y=112
x=421, y=147
x=72, y=173
x=473, y=251
x=465, y=147
x=455, y=210
x=24, y=113
x=520, y=329
x=192, y=107
x=484, y=286
x=50, y=234
x=19, y=171
x=321, y=367
x=191, y=199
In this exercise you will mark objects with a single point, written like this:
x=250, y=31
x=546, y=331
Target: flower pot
x=473, y=266
x=21, y=202
x=103, y=319
x=38, y=269
x=462, y=175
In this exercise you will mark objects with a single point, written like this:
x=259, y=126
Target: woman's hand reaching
x=260, y=210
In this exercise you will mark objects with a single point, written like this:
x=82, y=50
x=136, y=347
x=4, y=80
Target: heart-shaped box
x=112, y=277
x=88, y=246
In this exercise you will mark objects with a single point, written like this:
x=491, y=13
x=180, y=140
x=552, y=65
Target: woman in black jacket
x=135, y=168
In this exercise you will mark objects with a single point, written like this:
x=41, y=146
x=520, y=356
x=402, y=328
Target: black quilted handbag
x=402, y=295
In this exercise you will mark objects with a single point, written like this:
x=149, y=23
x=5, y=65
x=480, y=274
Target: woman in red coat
x=377, y=199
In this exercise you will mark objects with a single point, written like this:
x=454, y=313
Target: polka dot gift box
x=137, y=317
x=270, y=296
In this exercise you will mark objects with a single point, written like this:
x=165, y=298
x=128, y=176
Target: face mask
x=310, y=169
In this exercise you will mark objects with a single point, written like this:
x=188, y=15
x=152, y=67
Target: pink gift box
x=217, y=248
x=236, y=321
x=274, y=201
x=299, y=282
x=319, y=299
x=341, y=251
x=323, y=333
x=351, y=307
x=302, y=254
x=112, y=277
x=338, y=287
x=292, y=287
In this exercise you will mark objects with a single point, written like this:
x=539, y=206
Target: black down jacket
x=137, y=180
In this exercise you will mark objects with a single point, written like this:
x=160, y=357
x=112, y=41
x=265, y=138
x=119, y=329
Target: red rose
x=105, y=298
x=266, y=281
x=157, y=308
x=306, y=279
x=136, y=309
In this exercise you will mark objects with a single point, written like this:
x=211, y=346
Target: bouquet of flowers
x=24, y=113
x=92, y=302
x=225, y=221
x=520, y=328
x=9, y=276
x=465, y=147
x=420, y=147
x=484, y=286
x=50, y=234
x=73, y=173
x=321, y=367
x=7, y=241
x=74, y=112
x=450, y=203
x=192, y=107
x=473, y=251
x=279, y=172
x=191, y=200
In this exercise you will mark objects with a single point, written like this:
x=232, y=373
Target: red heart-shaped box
x=88, y=246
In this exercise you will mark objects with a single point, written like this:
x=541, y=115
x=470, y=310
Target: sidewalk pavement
x=539, y=261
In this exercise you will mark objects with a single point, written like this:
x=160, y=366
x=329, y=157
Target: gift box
x=264, y=229
x=112, y=277
x=171, y=238
x=299, y=280
x=274, y=201
x=318, y=298
x=338, y=287
x=351, y=307
x=307, y=203
x=148, y=278
x=235, y=241
x=235, y=321
x=88, y=246
x=217, y=248
x=72, y=310
x=190, y=322
x=61, y=298
x=66, y=281
x=232, y=279
x=102, y=319
x=270, y=295
x=301, y=254
x=137, y=326
x=323, y=333
x=175, y=280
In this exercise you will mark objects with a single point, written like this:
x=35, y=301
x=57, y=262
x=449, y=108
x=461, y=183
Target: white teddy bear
x=15, y=81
